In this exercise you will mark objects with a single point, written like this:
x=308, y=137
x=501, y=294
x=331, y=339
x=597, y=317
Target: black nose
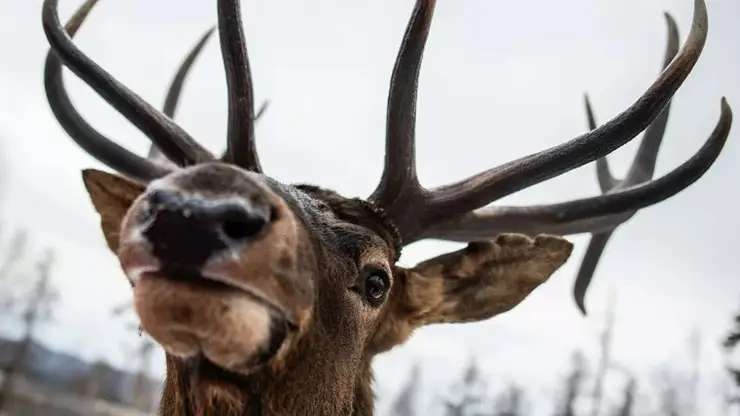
x=186, y=231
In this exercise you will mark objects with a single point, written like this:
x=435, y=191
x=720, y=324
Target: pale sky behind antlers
x=500, y=80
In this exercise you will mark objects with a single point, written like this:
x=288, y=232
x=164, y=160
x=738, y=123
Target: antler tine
x=241, y=149
x=168, y=136
x=89, y=139
x=399, y=173
x=262, y=109
x=595, y=214
x=175, y=89
x=173, y=93
x=603, y=173
x=641, y=170
x=594, y=251
x=260, y=112
x=456, y=199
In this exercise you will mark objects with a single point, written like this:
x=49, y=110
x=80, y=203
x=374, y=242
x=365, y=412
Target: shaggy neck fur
x=317, y=388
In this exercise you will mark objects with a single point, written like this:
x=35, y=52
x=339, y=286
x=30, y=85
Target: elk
x=273, y=298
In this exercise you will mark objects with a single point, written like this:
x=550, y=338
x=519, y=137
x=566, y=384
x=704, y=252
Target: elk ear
x=475, y=283
x=112, y=196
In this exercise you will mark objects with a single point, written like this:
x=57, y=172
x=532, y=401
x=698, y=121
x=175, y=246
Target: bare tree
x=468, y=395
x=605, y=343
x=627, y=405
x=13, y=254
x=510, y=402
x=732, y=339
x=668, y=393
x=573, y=386
x=694, y=342
x=36, y=309
x=405, y=403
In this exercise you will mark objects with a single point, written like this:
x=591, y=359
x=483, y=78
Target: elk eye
x=376, y=287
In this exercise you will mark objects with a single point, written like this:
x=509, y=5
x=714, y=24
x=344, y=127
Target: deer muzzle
x=216, y=272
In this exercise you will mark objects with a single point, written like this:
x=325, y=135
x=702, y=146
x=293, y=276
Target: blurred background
x=500, y=80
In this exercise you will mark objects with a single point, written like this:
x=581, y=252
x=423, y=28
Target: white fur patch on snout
x=252, y=322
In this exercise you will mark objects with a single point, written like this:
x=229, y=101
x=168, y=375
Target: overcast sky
x=500, y=80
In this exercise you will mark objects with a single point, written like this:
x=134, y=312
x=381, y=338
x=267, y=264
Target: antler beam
x=400, y=193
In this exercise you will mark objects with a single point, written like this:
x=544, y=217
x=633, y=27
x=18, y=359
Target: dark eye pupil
x=376, y=286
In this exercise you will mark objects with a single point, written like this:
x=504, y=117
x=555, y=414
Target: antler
x=241, y=149
x=173, y=141
x=641, y=171
x=89, y=139
x=453, y=212
x=173, y=93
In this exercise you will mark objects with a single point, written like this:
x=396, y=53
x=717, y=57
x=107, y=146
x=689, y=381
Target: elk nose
x=186, y=230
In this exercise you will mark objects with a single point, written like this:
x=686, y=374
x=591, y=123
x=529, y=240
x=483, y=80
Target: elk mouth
x=215, y=284
x=225, y=332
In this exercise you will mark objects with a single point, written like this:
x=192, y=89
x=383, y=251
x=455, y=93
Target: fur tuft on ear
x=112, y=195
x=475, y=283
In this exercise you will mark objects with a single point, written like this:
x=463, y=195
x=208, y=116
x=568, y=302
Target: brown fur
x=324, y=368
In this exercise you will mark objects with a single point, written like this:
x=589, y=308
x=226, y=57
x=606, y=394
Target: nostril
x=156, y=201
x=186, y=230
x=155, y=197
x=160, y=199
x=242, y=229
x=239, y=224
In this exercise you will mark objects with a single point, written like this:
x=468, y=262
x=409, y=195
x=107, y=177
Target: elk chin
x=217, y=325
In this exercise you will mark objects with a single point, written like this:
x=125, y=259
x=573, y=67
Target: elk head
x=271, y=297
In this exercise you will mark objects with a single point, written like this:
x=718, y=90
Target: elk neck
x=263, y=394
